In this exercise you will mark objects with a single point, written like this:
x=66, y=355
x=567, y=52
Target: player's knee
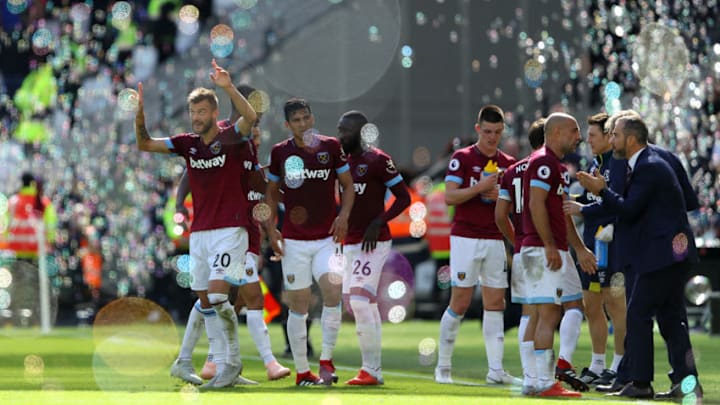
x=216, y=298
x=361, y=308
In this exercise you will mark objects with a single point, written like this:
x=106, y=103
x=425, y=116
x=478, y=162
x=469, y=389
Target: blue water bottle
x=601, y=250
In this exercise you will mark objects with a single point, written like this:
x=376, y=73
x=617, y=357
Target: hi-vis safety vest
x=400, y=225
x=22, y=237
x=439, y=222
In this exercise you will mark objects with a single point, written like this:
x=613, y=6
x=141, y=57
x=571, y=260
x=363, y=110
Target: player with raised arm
x=306, y=166
x=249, y=291
x=218, y=239
x=368, y=241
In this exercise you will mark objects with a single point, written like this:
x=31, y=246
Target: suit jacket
x=653, y=231
x=691, y=199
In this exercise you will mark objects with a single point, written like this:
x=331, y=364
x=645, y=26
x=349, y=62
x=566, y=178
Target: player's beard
x=202, y=128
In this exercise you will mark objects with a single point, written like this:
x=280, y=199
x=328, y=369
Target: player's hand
x=592, y=182
x=587, y=261
x=553, y=259
x=372, y=233
x=276, y=242
x=339, y=229
x=491, y=195
x=487, y=184
x=572, y=208
x=140, y=114
x=220, y=77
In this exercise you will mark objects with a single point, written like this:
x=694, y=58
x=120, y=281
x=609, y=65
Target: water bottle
x=601, y=250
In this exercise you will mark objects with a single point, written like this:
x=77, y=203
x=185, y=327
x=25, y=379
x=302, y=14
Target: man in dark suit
x=657, y=248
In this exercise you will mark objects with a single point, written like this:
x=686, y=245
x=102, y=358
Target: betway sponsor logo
x=322, y=174
x=254, y=196
x=359, y=188
x=207, y=163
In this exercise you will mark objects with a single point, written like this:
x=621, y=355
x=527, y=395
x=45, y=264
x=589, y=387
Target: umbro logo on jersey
x=207, y=163
x=193, y=151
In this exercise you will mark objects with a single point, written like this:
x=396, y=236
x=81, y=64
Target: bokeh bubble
x=42, y=41
x=184, y=263
x=660, y=59
x=246, y=4
x=188, y=14
x=121, y=15
x=421, y=156
x=369, y=134
x=427, y=346
x=128, y=100
x=443, y=277
x=397, y=289
x=534, y=71
x=189, y=393
x=612, y=90
x=5, y=277
x=337, y=262
x=259, y=100
x=261, y=212
x=418, y=229
x=221, y=40
x=298, y=215
x=370, y=28
x=688, y=384
x=34, y=364
x=79, y=12
x=418, y=211
x=397, y=314
x=294, y=169
x=184, y=279
x=17, y=6
x=310, y=138
x=135, y=337
x=617, y=284
x=698, y=290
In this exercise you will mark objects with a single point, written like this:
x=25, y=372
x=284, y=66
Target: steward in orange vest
x=26, y=211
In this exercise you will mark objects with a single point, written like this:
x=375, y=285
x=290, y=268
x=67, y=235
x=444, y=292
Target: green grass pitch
x=69, y=366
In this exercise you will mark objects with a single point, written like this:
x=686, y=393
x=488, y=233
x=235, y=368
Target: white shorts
x=307, y=259
x=251, y=274
x=362, y=270
x=545, y=286
x=518, y=282
x=473, y=260
x=217, y=254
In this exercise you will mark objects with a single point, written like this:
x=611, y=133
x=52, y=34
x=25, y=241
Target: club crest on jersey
x=390, y=167
x=215, y=147
x=323, y=157
x=249, y=272
x=290, y=278
x=461, y=275
x=361, y=170
x=558, y=292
